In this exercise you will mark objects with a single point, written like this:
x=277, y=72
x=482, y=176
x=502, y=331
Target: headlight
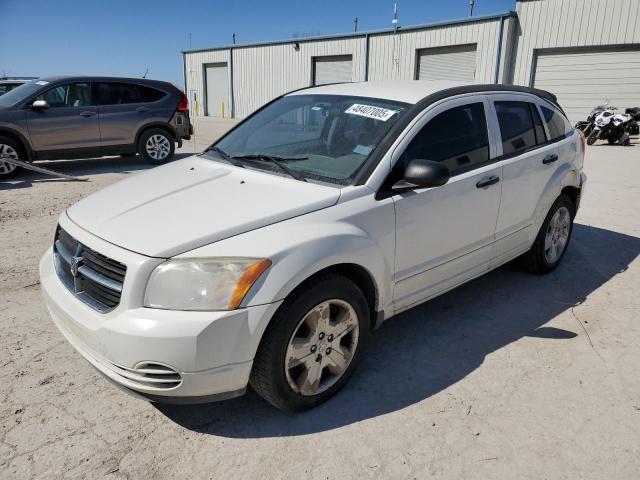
x=203, y=283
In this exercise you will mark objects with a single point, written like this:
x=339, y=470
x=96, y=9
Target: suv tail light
x=183, y=106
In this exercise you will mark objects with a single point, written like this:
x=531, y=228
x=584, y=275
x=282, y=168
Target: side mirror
x=421, y=173
x=40, y=105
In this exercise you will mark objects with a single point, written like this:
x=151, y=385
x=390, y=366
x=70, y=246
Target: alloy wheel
x=158, y=147
x=557, y=235
x=7, y=151
x=321, y=347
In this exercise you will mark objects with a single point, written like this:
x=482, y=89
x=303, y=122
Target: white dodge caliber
x=270, y=258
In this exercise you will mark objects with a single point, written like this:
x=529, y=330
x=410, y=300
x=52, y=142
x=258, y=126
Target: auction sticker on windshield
x=369, y=111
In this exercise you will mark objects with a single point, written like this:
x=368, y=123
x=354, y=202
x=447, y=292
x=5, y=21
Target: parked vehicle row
x=269, y=258
x=80, y=117
x=603, y=123
x=9, y=83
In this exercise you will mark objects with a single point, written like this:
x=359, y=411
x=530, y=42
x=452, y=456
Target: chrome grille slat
x=101, y=279
x=106, y=266
x=94, y=278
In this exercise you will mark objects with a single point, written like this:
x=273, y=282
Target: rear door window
x=557, y=124
x=456, y=137
x=517, y=129
x=115, y=93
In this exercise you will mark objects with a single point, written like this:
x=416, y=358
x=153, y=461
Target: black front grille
x=94, y=278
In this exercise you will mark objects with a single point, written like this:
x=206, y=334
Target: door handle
x=550, y=158
x=487, y=182
x=143, y=109
x=87, y=114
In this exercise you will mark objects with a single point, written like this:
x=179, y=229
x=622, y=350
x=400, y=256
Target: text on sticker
x=377, y=113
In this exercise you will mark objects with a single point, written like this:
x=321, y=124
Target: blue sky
x=125, y=37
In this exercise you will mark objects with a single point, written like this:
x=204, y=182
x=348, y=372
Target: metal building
x=582, y=50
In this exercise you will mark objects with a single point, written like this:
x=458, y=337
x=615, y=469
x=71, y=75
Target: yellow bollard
x=222, y=109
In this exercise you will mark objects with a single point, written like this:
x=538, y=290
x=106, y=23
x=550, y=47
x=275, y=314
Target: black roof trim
x=403, y=122
x=99, y=78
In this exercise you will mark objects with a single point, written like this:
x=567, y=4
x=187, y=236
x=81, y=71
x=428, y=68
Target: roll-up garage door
x=584, y=78
x=217, y=85
x=447, y=63
x=332, y=69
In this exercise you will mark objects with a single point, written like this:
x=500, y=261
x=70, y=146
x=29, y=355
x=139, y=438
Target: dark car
x=8, y=84
x=79, y=117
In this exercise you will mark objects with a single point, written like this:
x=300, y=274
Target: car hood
x=194, y=202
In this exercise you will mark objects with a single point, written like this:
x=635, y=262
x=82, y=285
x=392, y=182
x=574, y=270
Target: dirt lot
x=510, y=376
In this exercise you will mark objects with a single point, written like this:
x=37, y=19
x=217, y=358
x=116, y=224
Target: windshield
x=20, y=93
x=322, y=137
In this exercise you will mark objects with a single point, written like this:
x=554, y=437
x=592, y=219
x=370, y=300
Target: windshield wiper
x=276, y=161
x=225, y=156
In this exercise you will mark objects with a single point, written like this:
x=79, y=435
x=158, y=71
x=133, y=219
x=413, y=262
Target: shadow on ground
x=435, y=345
x=85, y=167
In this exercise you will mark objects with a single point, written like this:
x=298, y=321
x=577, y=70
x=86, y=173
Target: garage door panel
x=333, y=69
x=582, y=80
x=589, y=58
x=447, y=63
x=594, y=74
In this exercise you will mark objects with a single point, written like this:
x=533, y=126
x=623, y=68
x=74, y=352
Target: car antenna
x=145, y=73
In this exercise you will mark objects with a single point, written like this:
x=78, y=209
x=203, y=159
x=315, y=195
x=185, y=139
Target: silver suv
x=79, y=117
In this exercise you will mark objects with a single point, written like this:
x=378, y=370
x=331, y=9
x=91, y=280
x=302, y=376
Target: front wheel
x=553, y=238
x=593, y=136
x=9, y=148
x=156, y=146
x=312, y=345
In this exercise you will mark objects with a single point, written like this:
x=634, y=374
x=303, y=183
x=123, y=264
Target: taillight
x=183, y=106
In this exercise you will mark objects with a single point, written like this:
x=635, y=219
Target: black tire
x=593, y=136
x=535, y=259
x=142, y=145
x=268, y=377
x=10, y=144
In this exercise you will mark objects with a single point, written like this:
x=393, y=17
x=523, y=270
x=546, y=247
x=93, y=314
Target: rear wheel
x=9, y=148
x=156, y=146
x=312, y=345
x=553, y=238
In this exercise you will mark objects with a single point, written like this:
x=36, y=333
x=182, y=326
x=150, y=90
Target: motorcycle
x=587, y=126
x=610, y=126
x=633, y=128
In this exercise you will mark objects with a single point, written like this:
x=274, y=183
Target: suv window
x=558, y=125
x=516, y=126
x=72, y=95
x=456, y=137
x=150, y=94
x=113, y=93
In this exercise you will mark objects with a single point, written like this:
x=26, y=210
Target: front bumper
x=206, y=355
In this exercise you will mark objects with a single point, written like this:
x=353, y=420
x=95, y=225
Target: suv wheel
x=156, y=146
x=9, y=148
x=312, y=345
x=553, y=238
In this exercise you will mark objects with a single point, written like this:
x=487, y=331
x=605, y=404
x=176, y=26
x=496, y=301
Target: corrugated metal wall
x=394, y=56
x=572, y=23
x=194, y=73
x=263, y=72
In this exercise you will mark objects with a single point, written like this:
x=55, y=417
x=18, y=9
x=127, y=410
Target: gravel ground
x=509, y=376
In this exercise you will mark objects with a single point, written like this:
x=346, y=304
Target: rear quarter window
x=557, y=123
x=150, y=94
